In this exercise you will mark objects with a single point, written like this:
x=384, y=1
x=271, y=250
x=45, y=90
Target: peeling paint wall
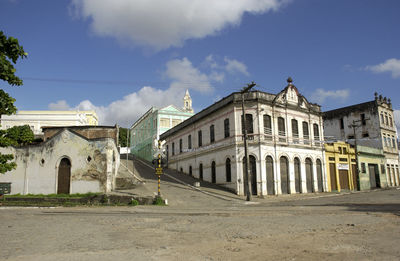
x=94, y=164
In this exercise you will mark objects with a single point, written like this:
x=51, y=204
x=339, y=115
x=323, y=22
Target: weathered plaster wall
x=94, y=165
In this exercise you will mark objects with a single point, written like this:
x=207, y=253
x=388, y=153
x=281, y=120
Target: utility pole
x=355, y=126
x=247, y=179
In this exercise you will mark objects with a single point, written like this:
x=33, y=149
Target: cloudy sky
x=121, y=57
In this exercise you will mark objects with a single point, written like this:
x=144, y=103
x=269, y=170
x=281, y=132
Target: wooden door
x=309, y=175
x=284, y=166
x=297, y=175
x=270, y=175
x=344, y=179
x=64, y=176
x=332, y=175
x=355, y=176
x=372, y=179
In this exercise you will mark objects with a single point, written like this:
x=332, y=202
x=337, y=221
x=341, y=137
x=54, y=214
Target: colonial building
x=369, y=124
x=76, y=159
x=38, y=119
x=284, y=142
x=155, y=122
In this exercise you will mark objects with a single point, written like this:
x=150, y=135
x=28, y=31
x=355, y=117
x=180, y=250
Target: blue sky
x=121, y=57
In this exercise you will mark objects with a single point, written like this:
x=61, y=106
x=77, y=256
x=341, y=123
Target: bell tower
x=187, y=102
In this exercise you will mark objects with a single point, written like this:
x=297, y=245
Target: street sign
x=159, y=171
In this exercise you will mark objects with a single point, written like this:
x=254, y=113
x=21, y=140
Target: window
x=228, y=170
x=201, y=171
x=295, y=131
x=175, y=122
x=173, y=149
x=365, y=135
x=383, y=168
x=363, y=169
x=382, y=119
x=226, y=128
x=390, y=121
x=190, y=142
x=386, y=119
x=200, y=138
x=249, y=125
x=316, y=131
x=212, y=134
x=363, y=121
x=393, y=142
x=340, y=150
x=281, y=129
x=341, y=123
x=180, y=145
x=344, y=150
x=350, y=137
x=267, y=127
x=164, y=123
x=306, y=134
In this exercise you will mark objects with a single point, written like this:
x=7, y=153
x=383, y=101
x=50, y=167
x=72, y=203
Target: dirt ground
x=198, y=226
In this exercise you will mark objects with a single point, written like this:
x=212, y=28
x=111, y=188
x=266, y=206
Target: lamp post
x=247, y=180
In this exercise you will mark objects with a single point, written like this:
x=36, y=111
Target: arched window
x=267, y=127
x=295, y=131
x=212, y=134
x=228, y=170
x=306, y=133
x=226, y=128
x=281, y=129
x=316, y=133
x=249, y=126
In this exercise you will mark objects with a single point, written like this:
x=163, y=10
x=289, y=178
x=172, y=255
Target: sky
x=121, y=57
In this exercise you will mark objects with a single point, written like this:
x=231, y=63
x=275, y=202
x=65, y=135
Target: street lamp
x=247, y=180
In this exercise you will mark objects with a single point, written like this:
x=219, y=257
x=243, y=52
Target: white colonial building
x=285, y=143
x=38, y=119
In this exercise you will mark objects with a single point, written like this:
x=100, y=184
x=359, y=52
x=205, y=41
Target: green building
x=371, y=168
x=155, y=122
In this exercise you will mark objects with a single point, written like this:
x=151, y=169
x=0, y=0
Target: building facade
x=38, y=119
x=369, y=124
x=155, y=122
x=371, y=165
x=285, y=139
x=76, y=159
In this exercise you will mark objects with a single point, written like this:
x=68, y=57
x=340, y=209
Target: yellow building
x=341, y=166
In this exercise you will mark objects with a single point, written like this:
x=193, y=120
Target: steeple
x=187, y=102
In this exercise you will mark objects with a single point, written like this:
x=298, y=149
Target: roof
x=337, y=113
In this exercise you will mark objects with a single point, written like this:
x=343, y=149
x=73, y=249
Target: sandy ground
x=210, y=224
x=360, y=226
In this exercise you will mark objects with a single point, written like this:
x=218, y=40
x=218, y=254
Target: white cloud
x=161, y=24
x=126, y=111
x=232, y=66
x=320, y=95
x=60, y=105
x=390, y=65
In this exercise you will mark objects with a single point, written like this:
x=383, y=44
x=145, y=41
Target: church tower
x=187, y=102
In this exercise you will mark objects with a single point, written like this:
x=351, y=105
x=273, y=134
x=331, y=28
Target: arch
x=284, y=167
x=64, y=176
x=269, y=162
x=319, y=175
x=252, y=172
x=228, y=170
x=297, y=175
x=309, y=175
x=213, y=172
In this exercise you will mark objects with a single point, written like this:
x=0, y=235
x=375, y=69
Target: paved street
x=215, y=225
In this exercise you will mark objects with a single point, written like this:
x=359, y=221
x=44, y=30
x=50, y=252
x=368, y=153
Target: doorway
x=64, y=176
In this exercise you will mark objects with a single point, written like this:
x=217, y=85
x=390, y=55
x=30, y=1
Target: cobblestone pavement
x=201, y=226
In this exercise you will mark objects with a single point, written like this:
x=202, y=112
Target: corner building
x=285, y=139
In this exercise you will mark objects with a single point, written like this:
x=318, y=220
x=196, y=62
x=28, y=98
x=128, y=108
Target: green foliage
x=122, y=139
x=20, y=135
x=10, y=52
x=6, y=104
x=158, y=201
x=134, y=202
